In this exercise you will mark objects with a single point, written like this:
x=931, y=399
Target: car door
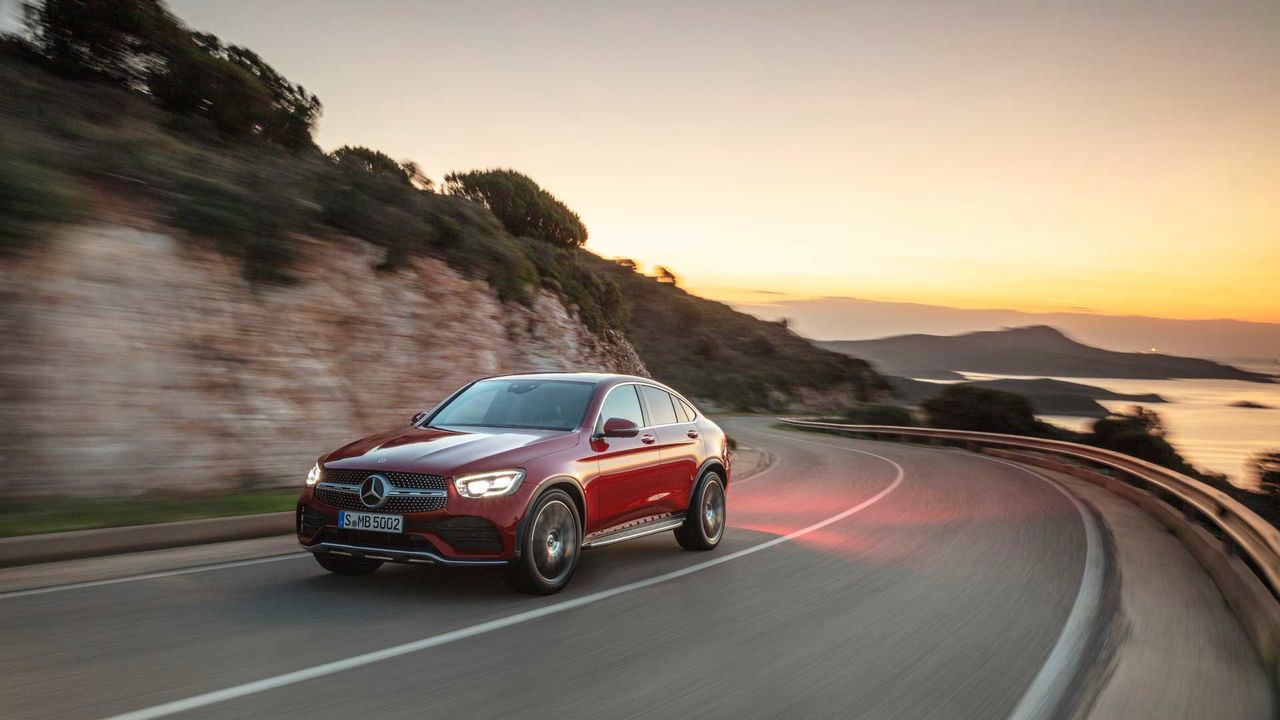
x=678, y=446
x=628, y=467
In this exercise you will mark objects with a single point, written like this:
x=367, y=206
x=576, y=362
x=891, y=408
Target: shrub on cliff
x=30, y=195
x=139, y=44
x=525, y=209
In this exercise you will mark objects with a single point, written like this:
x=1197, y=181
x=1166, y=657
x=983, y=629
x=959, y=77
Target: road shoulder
x=1179, y=652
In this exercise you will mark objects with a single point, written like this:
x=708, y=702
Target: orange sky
x=1120, y=157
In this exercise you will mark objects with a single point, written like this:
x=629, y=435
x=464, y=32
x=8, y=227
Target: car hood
x=447, y=452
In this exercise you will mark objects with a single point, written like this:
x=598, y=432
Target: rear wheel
x=550, y=547
x=347, y=566
x=704, y=521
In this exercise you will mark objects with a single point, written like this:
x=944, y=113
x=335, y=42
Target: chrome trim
x=393, y=555
x=653, y=528
x=644, y=408
x=391, y=490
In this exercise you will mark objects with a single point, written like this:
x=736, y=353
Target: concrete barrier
x=31, y=549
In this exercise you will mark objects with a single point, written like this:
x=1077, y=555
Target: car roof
x=590, y=377
x=606, y=380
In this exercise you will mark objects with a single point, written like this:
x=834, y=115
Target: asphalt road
x=857, y=580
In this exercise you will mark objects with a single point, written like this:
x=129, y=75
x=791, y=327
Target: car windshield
x=529, y=404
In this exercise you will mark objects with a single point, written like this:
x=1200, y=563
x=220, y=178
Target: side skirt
x=669, y=522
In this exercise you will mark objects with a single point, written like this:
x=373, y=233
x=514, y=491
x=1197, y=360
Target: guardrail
x=1243, y=535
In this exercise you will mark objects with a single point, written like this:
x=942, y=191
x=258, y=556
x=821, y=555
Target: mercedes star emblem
x=373, y=491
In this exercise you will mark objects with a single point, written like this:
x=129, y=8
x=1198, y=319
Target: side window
x=661, y=411
x=689, y=413
x=622, y=402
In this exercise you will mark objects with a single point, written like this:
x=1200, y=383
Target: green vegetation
x=118, y=99
x=965, y=407
x=524, y=208
x=735, y=361
x=37, y=515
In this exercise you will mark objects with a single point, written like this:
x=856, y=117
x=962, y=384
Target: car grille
x=350, y=500
x=413, y=481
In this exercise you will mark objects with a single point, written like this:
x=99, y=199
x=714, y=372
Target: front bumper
x=422, y=557
x=440, y=537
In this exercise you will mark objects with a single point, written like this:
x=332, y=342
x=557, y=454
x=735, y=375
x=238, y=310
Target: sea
x=1198, y=416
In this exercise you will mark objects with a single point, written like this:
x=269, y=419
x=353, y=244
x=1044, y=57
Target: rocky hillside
x=134, y=360
x=729, y=360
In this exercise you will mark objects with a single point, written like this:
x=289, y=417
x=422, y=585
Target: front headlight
x=314, y=476
x=490, y=484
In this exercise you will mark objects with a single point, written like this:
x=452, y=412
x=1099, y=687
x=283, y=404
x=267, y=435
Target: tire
x=347, y=566
x=704, y=521
x=550, y=546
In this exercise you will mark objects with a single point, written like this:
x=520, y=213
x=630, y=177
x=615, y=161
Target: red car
x=521, y=471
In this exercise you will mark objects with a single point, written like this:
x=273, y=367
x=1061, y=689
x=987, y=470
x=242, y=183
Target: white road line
x=1053, y=681
x=329, y=668
x=148, y=576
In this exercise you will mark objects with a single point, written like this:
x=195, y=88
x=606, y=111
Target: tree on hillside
x=1266, y=469
x=293, y=111
x=1141, y=434
x=524, y=208
x=964, y=407
x=122, y=41
x=140, y=45
x=368, y=160
x=417, y=177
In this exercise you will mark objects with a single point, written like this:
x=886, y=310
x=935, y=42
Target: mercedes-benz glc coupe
x=522, y=472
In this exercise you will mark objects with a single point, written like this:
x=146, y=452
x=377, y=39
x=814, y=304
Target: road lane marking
x=148, y=576
x=1060, y=669
x=336, y=666
x=1054, y=679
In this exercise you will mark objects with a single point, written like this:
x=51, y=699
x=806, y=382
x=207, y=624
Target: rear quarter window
x=662, y=411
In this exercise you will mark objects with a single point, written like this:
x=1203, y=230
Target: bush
x=29, y=196
x=1139, y=433
x=524, y=208
x=963, y=407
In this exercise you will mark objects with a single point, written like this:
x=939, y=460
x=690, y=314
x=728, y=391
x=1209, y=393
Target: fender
x=528, y=508
x=708, y=463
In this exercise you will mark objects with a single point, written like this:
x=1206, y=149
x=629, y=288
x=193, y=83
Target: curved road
x=857, y=579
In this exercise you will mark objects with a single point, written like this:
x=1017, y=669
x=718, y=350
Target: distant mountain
x=842, y=318
x=1047, y=396
x=1035, y=350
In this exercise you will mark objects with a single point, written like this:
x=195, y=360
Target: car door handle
x=692, y=433
x=648, y=439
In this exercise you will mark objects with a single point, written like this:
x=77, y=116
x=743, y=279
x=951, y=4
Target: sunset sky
x=1119, y=157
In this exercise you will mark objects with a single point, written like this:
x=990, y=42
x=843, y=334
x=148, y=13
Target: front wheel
x=551, y=542
x=704, y=522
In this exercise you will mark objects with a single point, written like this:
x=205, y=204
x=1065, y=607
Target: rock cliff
x=136, y=361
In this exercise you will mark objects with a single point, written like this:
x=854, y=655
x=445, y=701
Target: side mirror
x=620, y=428
x=417, y=417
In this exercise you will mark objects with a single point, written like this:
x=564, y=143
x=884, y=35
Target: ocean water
x=1198, y=416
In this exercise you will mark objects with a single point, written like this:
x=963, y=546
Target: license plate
x=371, y=521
